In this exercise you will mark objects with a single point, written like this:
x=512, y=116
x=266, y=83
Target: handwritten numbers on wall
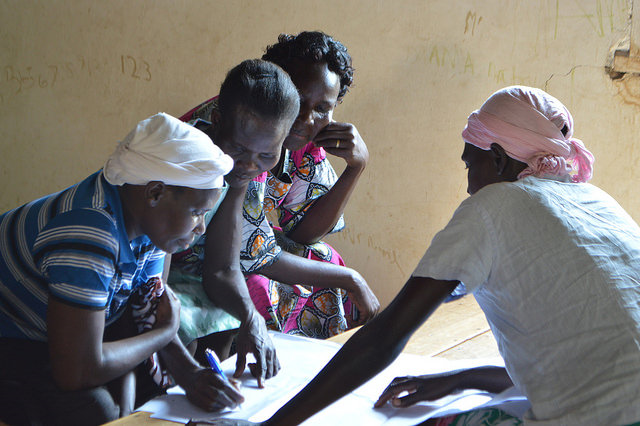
x=18, y=80
x=135, y=67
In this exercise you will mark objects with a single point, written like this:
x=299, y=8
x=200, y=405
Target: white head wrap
x=165, y=149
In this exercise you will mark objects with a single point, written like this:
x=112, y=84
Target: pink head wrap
x=526, y=122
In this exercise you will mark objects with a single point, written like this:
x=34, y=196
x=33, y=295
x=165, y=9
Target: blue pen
x=214, y=362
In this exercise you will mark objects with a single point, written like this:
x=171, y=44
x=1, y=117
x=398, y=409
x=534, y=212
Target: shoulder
x=84, y=227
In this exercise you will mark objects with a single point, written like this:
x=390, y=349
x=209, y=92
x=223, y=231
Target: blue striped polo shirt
x=73, y=246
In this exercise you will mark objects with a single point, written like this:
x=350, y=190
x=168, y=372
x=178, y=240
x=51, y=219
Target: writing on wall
x=17, y=80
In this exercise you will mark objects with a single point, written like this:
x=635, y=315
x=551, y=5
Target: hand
x=364, y=299
x=168, y=311
x=253, y=337
x=351, y=146
x=209, y=391
x=419, y=388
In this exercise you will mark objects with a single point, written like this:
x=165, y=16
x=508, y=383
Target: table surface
x=457, y=330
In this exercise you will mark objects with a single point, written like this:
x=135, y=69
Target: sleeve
x=77, y=254
x=259, y=247
x=313, y=177
x=463, y=250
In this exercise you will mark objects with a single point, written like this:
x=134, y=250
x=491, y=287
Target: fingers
x=241, y=362
x=336, y=138
x=367, y=304
x=273, y=364
x=260, y=368
x=397, y=386
x=214, y=393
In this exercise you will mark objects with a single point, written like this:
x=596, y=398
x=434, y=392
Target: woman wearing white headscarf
x=554, y=263
x=70, y=261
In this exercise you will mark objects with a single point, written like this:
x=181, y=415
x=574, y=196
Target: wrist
x=355, y=168
x=466, y=379
x=249, y=317
x=353, y=280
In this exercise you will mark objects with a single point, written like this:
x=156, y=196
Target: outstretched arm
x=224, y=283
x=379, y=342
x=323, y=215
x=292, y=269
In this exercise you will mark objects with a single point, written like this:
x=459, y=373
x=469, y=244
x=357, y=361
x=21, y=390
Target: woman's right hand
x=209, y=391
x=168, y=311
x=364, y=299
x=419, y=388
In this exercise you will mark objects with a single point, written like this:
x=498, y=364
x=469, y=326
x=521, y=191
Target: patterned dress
x=273, y=207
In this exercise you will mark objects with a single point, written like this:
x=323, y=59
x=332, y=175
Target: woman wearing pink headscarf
x=553, y=261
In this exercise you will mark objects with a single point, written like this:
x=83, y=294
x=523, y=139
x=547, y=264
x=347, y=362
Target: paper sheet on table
x=302, y=358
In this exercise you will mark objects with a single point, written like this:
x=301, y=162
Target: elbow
x=304, y=237
x=72, y=377
x=69, y=382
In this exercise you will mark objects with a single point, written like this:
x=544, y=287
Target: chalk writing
x=18, y=80
x=601, y=15
x=389, y=254
x=471, y=21
x=442, y=56
x=509, y=76
x=136, y=68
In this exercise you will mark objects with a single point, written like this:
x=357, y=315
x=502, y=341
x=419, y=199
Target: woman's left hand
x=343, y=140
x=418, y=388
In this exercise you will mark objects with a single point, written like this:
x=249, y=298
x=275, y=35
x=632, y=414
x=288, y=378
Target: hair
x=260, y=87
x=313, y=47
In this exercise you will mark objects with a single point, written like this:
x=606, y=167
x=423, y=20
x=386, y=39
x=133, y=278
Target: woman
x=307, y=200
x=553, y=263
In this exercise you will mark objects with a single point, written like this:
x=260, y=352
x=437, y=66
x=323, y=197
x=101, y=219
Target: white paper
x=302, y=358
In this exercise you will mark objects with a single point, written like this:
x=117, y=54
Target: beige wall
x=68, y=92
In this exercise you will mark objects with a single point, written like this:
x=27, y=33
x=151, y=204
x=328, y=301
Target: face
x=177, y=215
x=318, y=88
x=481, y=168
x=254, y=144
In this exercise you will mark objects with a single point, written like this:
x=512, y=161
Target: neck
x=129, y=209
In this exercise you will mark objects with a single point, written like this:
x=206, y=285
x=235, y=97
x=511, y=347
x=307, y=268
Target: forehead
x=255, y=132
x=314, y=80
x=200, y=199
x=472, y=152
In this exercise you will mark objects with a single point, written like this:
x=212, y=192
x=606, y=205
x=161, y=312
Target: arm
x=323, y=215
x=379, y=342
x=432, y=387
x=79, y=357
x=291, y=269
x=224, y=283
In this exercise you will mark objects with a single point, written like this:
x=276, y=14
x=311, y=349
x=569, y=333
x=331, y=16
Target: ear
x=500, y=158
x=153, y=192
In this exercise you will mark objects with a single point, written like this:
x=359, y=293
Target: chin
x=236, y=182
x=294, y=143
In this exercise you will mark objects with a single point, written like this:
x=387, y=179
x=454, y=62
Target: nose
x=305, y=116
x=248, y=162
x=200, y=228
